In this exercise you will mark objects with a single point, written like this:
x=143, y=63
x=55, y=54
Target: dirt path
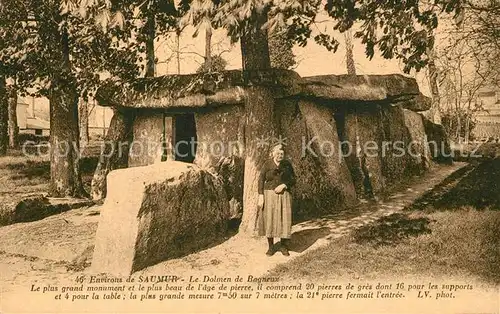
x=55, y=250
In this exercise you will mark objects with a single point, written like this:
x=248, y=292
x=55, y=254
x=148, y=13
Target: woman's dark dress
x=275, y=219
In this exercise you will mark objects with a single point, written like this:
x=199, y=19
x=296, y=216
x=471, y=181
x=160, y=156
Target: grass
x=453, y=231
x=475, y=186
x=22, y=175
x=33, y=170
x=461, y=243
x=29, y=172
x=392, y=230
x=480, y=189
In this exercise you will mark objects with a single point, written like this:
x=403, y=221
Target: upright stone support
x=325, y=147
x=155, y=213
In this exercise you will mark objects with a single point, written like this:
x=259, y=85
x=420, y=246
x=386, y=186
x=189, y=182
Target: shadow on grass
x=302, y=240
x=435, y=194
x=391, y=230
x=476, y=185
x=30, y=170
x=321, y=221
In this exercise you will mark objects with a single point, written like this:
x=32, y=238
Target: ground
x=452, y=230
x=442, y=225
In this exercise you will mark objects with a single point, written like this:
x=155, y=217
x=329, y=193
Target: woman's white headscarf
x=276, y=148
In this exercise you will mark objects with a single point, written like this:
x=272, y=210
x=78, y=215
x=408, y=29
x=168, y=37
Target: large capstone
x=157, y=212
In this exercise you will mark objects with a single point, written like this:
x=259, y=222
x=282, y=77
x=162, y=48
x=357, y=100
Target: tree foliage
x=280, y=51
x=218, y=64
x=398, y=29
x=476, y=37
x=467, y=60
x=31, y=34
x=453, y=122
x=402, y=30
x=54, y=51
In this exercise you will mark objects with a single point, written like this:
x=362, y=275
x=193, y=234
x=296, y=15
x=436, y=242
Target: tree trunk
x=13, y=127
x=467, y=130
x=451, y=124
x=459, y=129
x=65, y=178
x=178, y=51
x=83, y=114
x=259, y=122
x=435, y=112
x=4, y=117
x=208, y=49
x=114, y=154
x=467, y=123
x=349, y=56
x=150, y=45
x=255, y=47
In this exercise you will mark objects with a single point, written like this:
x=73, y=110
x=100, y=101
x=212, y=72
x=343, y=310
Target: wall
x=439, y=144
x=419, y=157
x=220, y=134
x=342, y=151
x=22, y=112
x=398, y=162
x=486, y=130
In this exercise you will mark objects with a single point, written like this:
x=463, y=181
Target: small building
x=33, y=117
x=99, y=119
x=37, y=126
x=488, y=120
x=22, y=112
x=29, y=124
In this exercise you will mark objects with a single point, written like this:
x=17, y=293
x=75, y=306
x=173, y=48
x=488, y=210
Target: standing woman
x=275, y=200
